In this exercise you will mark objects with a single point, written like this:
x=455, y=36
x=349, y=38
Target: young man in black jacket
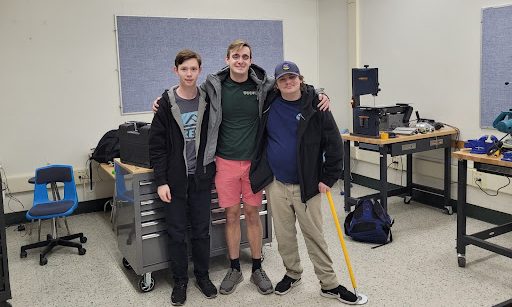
x=299, y=156
x=177, y=143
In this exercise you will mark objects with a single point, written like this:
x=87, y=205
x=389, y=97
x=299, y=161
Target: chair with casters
x=56, y=196
x=43, y=208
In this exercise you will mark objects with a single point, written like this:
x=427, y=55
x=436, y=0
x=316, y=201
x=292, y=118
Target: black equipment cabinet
x=5, y=287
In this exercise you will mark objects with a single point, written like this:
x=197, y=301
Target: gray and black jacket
x=167, y=145
x=213, y=88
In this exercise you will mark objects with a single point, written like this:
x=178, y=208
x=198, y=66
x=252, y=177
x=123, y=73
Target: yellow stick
x=342, y=241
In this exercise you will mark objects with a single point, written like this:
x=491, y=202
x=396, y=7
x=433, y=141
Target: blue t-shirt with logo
x=282, y=124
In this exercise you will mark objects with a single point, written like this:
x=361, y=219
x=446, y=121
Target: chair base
x=51, y=242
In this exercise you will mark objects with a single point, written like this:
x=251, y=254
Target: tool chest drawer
x=155, y=248
x=153, y=226
x=150, y=215
x=150, y=202
x=147, y=186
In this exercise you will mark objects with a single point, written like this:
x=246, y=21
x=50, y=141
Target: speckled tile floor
x=418, y=269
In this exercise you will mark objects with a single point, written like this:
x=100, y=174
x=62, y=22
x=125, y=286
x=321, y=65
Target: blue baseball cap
x=286, y=67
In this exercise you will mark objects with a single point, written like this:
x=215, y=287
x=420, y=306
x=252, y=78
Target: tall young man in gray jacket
x=237, y=94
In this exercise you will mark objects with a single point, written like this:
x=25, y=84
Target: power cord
x=11, y=197
x=20, y=228
x=8, y=194
x=497, y=191
x=457, y=136
x=401, y=162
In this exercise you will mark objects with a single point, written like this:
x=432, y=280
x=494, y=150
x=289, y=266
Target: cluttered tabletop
x=399, y=138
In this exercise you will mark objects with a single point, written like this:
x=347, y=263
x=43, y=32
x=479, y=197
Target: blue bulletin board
x=147, y=47
x=496, y=65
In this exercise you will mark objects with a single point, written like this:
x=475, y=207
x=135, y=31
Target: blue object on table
x=507, y=156
x=482, y=145
x=504, y=122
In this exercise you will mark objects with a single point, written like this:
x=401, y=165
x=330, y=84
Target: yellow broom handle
x=342, y=241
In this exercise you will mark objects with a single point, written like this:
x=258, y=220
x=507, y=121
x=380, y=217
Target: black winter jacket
x=317, y=135
x=167, y=143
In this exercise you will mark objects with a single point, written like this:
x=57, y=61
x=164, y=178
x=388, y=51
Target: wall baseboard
x=14, y=218
x=430, y=198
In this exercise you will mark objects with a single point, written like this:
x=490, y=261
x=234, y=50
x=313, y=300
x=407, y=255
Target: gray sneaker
x=262, y=282
x=231, y=280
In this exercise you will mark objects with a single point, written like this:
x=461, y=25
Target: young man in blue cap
x=299, y=156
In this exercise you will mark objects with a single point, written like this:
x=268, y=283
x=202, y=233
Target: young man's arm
x=154, y=105
x=158, y=150
x=325, y=102
x=332, y=146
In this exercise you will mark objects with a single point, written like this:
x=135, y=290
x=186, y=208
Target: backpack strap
x=385, y=218
x=381, y=213
x=348, y=220
x=389, y=241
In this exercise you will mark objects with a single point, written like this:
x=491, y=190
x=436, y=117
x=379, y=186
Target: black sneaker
x=286, y=284
x=341, y=294
x=205, y=285
x=179, y=294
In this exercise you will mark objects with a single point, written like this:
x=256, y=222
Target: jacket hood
x=165, y=94
x=309, y=99
x=256, y=73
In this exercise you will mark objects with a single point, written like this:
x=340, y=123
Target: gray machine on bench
x=370, y=121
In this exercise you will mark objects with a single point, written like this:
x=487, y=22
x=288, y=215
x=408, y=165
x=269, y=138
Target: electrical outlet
x=81, y=176
x=479, y=179
x=395, y=163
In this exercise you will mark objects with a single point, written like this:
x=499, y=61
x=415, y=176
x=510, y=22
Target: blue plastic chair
x=44, y=208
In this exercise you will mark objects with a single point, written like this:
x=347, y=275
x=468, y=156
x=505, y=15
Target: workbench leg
x=461, y=211
x=383, y=177
x=409, y=171
x=346, y=174
x=408, y=178
x=448, y=180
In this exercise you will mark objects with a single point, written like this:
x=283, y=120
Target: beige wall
x=334, y=48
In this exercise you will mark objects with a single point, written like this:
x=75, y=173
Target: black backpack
x=107, y=148
x=369, y=222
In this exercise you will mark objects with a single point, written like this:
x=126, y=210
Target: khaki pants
x=287, y=207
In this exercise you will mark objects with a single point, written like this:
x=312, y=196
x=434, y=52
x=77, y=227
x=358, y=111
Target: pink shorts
x=232, y=182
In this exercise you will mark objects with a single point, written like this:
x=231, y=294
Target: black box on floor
x=134, y=143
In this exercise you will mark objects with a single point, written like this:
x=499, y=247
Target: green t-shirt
x=240, y=119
